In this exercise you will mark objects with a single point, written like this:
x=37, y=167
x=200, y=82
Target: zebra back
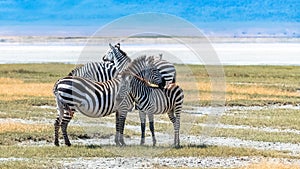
x=95, y=71
x=166, y=69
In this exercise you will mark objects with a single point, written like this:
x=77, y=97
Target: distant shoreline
x=228, y=53
x=83, y=40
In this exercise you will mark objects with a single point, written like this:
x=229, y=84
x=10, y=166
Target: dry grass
x=20, y=127
x=234, y=92
x=4, y=80
x=256, y=89
x=15, y=89
x=271, y=165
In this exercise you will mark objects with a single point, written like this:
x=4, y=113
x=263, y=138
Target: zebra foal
x=150, y=101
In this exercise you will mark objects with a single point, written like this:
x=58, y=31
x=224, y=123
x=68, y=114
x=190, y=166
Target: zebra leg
x=122, y=124
x=57, y=123
x=176, y=133
x=176, y=125
x=64, y=126
x=117, y=137
x=143, y=126
x=151, y=126
x=56, y=130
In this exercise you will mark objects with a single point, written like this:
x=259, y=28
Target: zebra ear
x=160, y=56
x=117, y=45
x=111, y=46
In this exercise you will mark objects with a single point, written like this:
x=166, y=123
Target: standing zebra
x=93, y=99
x=152, y=101
x=94, y=71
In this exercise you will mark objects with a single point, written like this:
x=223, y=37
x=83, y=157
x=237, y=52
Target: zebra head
x=144, y=68
x=113, y=53
x=153, y=77
x=150, y=76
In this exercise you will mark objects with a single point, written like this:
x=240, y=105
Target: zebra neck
x=139, y=88
x=122, y=63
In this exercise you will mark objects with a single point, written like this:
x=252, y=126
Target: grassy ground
x=25, y=87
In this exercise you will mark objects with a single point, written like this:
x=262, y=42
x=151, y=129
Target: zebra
x=93, y=99
x=166, y=69
x=104, y=70
x=150, y=101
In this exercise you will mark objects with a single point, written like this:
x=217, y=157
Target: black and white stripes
x=96, y=90
x=104, y=71
x=151, y=101
x=91, y=98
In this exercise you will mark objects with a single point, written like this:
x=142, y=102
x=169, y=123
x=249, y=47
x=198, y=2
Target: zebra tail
x=59, y=104
x=54, y=90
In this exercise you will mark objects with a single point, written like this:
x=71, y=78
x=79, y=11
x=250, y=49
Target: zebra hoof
x=118, y=144
x=56, y=143
x=68, y=144
x=177, y=146
x=142, y=142
x=122, y=143
x=154, y=142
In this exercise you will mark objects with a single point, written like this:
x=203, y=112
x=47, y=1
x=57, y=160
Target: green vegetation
x=40, y=73
x=278, y=118
x=217, y=151
x=30, y=164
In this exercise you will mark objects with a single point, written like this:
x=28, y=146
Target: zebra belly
x=157, y=103
x=91, y=105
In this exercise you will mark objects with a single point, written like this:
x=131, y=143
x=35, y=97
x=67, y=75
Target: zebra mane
x=140, y=64
x=75, y=70
x=120, y=50
x=143, y=68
